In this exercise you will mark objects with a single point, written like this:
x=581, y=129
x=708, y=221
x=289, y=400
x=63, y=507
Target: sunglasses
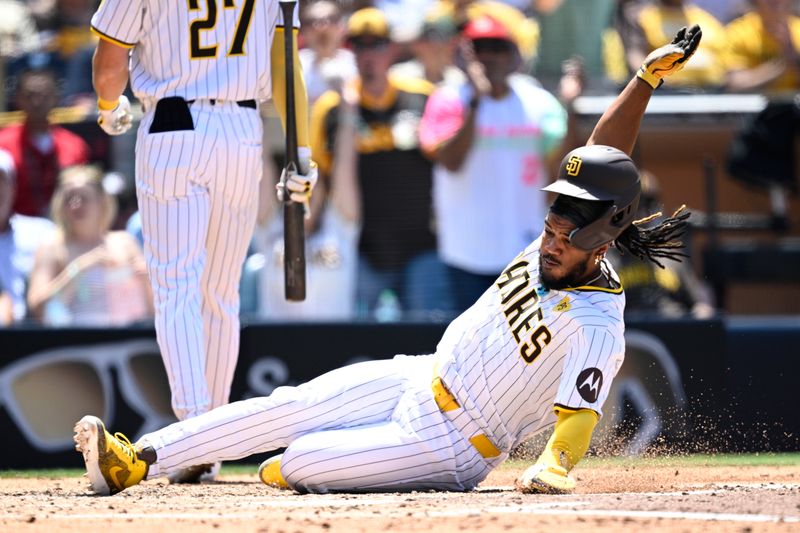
x=79, y=380
x=322, y=21
x=491, y=46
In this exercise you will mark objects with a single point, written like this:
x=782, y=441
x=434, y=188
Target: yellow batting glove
x=670, y=58
x=545, y=479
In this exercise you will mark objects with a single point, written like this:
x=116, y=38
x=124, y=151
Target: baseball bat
x=294, y=239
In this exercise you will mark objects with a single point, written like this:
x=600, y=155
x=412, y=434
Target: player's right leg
x=417, y=449
x=112, y=462
x=361, y=394
x=174, y=210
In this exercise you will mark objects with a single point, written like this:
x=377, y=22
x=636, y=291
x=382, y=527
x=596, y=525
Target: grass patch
x=50, y=473
x=733, y=459
x=753, y=459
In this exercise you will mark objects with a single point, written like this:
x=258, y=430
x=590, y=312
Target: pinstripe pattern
x=197, y=190
x=161, y=64
x=509, y=399
x=370, y=426
x=376, y=426
x=197, y=193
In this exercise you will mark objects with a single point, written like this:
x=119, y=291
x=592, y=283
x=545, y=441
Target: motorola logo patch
x=589, y=383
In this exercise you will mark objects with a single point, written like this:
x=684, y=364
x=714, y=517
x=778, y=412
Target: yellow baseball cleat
x=111, y=460
x=270, y=473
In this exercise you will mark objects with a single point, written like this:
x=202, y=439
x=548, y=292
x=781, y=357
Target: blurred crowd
x=434, y=124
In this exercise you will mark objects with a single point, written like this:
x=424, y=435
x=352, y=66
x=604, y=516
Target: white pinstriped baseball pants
x=371, y=426
x=198, y=198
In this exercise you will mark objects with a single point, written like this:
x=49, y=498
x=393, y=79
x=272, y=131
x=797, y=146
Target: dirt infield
x=656, y=498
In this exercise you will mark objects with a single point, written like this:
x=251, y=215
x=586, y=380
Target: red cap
x=486, y=27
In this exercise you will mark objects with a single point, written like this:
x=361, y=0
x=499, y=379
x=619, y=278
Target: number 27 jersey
x=520, y=352
x=194, y=48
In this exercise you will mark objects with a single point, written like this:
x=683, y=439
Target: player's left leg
x=417, y=449
x=233, y=188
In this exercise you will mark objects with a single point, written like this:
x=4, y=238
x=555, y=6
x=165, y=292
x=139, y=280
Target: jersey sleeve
x=594, y=357
x=119, y=21
x=442, y=118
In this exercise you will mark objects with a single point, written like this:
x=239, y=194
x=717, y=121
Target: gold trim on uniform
x=589, y=288
x=559, y=408
x=447, y=402
x=484, y=446
x=109, y=38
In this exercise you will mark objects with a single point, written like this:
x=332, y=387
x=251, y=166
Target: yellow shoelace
x=125, y=445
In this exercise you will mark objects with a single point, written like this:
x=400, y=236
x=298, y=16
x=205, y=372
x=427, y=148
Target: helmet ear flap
x=596, y=233
x=606, y=228
x=629, y=213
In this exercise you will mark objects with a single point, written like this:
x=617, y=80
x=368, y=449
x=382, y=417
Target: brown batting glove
x=670, y=58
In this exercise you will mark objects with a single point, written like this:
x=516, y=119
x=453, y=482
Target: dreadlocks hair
x=659, y=241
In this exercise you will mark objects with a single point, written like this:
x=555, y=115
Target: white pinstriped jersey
x=520, y=351
x=195, y=48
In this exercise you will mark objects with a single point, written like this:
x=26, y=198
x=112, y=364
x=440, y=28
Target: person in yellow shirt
x=764, y=48
x=652, y=25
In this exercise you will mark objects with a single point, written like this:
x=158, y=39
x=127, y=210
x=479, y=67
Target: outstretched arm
x=619, y=125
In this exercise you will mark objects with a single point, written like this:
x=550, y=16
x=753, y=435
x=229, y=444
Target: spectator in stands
x=331, y=244
x=764, y=48
x=397, y=246
x=18, y=33
x=72, y=30
x=20, y=236
x=653, y=25
x=491, y=138
x=74, y=42
x=434, y=53
x=326, y=63
x=404, y=16
x=673, y=291
x=525, y=30
x=572, y=28
x=40, y=149
x=86, y=274
x=65, y=47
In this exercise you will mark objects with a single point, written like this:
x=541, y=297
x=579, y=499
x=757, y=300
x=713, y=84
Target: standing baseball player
x=198, y=67
x=538, y=350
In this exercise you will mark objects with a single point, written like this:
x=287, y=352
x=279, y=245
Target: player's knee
x=302, y=469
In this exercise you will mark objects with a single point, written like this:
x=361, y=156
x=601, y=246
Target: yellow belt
x=447, y=402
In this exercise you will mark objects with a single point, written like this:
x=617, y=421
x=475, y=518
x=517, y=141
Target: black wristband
x=473, y=102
